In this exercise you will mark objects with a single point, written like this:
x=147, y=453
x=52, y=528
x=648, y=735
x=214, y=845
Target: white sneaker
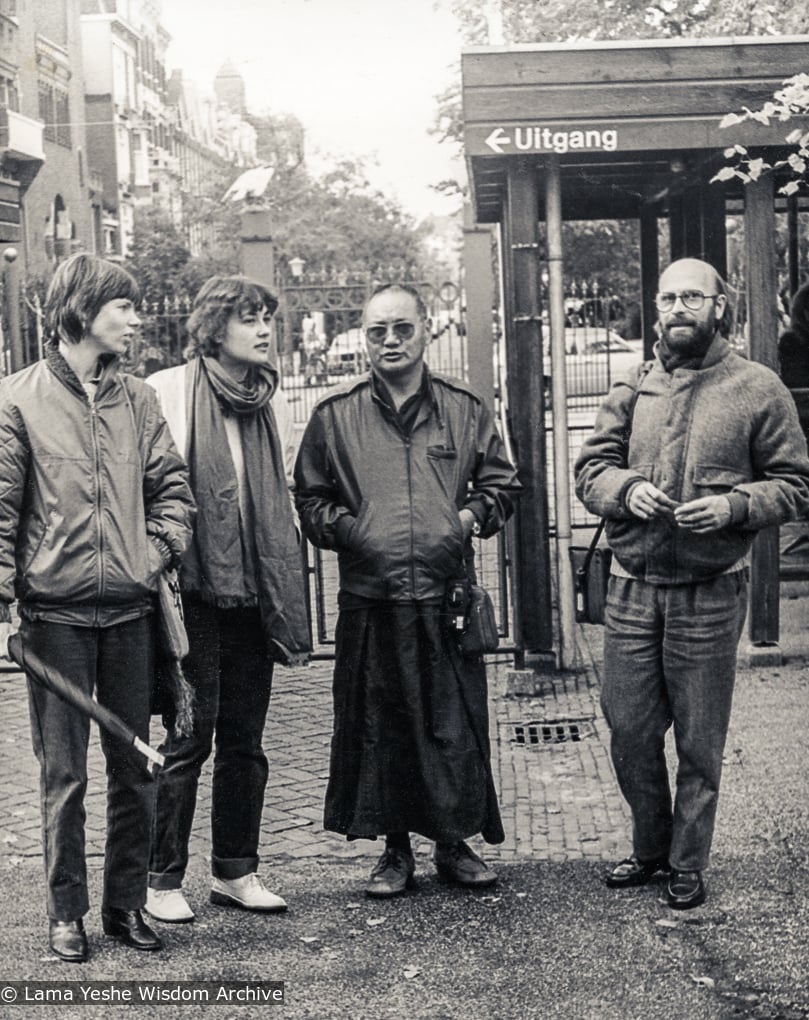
x=168, y=905
x=248, y=892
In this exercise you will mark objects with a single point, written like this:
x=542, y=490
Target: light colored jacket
x=171, y=386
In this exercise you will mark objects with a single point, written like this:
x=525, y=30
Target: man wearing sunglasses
x=396, y=472
x=714, y=454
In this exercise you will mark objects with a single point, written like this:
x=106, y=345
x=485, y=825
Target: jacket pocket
x=717, y=477
x=33, y=544
x=442, y=453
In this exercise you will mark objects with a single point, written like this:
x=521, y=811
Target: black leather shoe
x=392, y=874
x=686, y=890
x=632, y=871
x=130, y=928
x=67, y=940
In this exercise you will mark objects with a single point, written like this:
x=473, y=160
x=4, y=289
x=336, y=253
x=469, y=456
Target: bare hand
x=710, y=513
x=467, y=522
x=647, y=501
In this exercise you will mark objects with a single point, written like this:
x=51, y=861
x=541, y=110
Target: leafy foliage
x=787, y=103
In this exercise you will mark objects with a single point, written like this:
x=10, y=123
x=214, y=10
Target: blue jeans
x=670, y=659
x=118, y=663
x=231, y=673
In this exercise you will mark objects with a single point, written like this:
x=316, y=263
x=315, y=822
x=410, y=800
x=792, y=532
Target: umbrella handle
x=89, y=706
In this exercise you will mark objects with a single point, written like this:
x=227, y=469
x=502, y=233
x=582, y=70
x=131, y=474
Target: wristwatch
x=476, y=527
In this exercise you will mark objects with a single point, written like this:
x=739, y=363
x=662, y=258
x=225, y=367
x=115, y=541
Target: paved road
x=559, y=800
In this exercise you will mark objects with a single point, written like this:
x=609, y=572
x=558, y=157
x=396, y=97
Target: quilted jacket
x=82, y=487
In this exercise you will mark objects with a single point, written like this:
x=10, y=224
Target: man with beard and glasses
x=711, y=454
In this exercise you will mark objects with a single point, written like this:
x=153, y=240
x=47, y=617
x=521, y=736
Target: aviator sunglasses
x=402, y=330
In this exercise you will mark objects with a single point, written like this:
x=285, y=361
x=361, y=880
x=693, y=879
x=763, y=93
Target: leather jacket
x=388, y=501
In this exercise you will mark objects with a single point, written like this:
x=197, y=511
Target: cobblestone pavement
x=559, y=800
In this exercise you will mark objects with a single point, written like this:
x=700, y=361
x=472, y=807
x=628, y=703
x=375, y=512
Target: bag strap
x=644, y=370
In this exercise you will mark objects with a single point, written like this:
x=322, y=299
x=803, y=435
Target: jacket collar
x=65, y=373
x=718, y=351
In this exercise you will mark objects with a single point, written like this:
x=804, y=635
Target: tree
x=339, y=223
x=788, y=103
x=159, y=253
x=523, y=21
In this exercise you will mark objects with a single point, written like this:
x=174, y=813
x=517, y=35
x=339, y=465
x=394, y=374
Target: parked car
x=594, y=360
x=346, y=354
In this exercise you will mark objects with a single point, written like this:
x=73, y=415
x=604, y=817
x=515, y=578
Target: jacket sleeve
x=780, y=490
x=14, y=454
x=168, y=500
x=494, y=484
x=324, y=519
x=602, y=476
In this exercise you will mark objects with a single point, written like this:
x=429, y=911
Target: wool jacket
x=84, y=486
x=389, y=502
x=729, y=426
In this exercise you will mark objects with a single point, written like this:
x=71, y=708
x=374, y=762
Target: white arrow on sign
x=497, y=139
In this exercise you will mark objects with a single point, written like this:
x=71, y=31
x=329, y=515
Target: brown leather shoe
x=457, y=862
x=686, y=890
x=632, y=872
x=129, y=927
x=392, y=874
x=67, y=940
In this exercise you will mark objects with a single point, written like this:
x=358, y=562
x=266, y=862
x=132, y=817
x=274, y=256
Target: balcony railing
x=21, y=137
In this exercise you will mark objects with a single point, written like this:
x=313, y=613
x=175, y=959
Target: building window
x=9, y=93
x=54, y=110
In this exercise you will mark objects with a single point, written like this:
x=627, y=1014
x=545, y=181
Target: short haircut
x=80, y=287
x=218, y=299
x=405, y=288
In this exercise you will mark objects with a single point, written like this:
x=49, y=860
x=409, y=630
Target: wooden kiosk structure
x=617, y=130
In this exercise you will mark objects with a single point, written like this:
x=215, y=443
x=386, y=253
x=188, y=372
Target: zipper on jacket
x=408, y=450
x=99, y=529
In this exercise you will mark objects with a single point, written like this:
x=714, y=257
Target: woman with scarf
x=242, y=590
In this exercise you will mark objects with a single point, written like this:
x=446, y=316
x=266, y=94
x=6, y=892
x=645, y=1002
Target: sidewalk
x=550, y=941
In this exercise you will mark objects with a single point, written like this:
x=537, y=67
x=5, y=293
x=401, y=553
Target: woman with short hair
x=242, y=586
x=94, y=504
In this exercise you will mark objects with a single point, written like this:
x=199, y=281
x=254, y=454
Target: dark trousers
x=231, y=674
x=118, y=663
x=670, y=659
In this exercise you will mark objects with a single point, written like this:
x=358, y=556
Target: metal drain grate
x=553, y=731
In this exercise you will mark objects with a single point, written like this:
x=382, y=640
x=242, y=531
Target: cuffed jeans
x=670, y=658
x=231, y=673
x=118, y=662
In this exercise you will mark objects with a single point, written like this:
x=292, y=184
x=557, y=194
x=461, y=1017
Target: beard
x=687, y=337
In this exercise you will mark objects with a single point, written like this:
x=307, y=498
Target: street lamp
x=296, y=267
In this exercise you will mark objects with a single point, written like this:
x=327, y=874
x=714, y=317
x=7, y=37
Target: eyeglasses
x=693, y=300
x=402, y=330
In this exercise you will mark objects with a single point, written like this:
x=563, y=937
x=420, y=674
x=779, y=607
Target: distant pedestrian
x=793, y=344
x=94, y=503
x=396, y=472
x=715, y=454
x=242, y=591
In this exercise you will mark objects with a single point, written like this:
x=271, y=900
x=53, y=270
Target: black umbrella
x=48, y=677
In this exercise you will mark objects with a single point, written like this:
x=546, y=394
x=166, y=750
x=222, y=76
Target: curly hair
x=218, y=299
x=80, y=287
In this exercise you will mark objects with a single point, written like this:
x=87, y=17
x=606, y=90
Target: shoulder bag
x=591, y=566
